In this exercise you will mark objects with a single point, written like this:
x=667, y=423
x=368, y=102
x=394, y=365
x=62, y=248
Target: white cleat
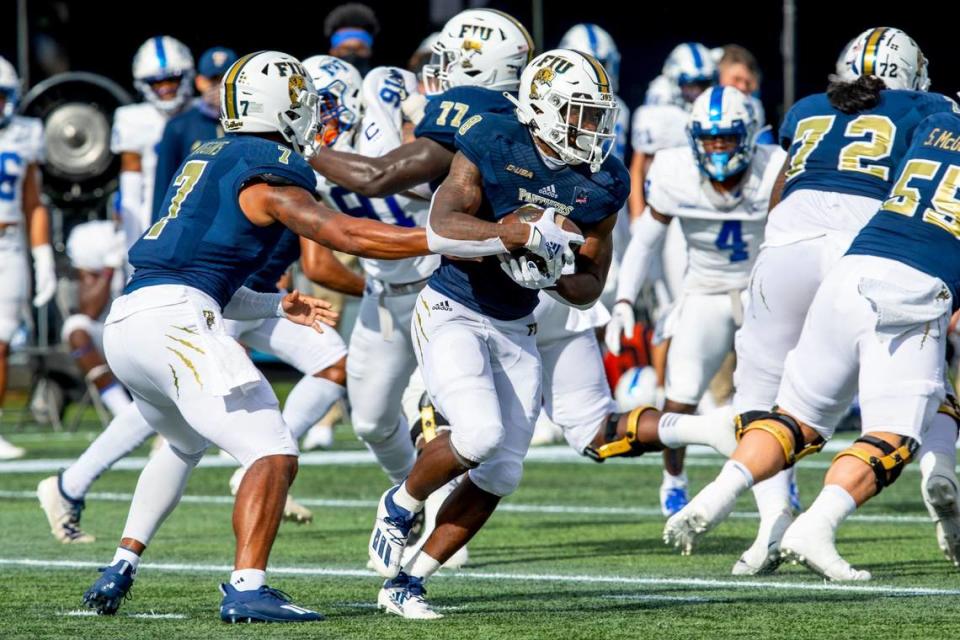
x=320, y=436
x=763, y=556
x=293, y=511
x=940, y=496
x=430, y=510
x=10, y=451
x=404, y=596
x=545, y=432
x=806, y=543
x=685, y=528
x=62, y=513
x=388, y=539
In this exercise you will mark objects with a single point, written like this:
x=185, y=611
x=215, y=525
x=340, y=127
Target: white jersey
x=137, y=128
x=722, y=239
x=381, y=131
x=21, y=144
x=659, y=126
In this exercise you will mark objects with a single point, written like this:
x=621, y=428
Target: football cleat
x=110, y=589
x=404, y=596
x=63, y=512
x=389, y=537
x=262, y=605
x=293, y=511
x=685, y=528
x=940, y=495
x=10, y=451
x=673, y=494
x=320, y=436
x=763, y=556
x=808, y=541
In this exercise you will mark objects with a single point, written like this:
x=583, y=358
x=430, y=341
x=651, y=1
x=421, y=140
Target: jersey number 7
x=185, y=182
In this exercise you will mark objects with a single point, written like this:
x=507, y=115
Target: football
x=532, y=213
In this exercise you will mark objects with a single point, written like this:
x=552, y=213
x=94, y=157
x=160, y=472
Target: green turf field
x=576, y=553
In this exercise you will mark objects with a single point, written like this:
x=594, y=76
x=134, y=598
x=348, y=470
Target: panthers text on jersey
x=137, y=128
x=852, y=153
x=21, y=144
x=918, y=224
x=204, y=240
x=514, y=174
x=722, y=241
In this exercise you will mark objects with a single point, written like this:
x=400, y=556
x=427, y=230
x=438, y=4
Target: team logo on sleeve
x=580, y=195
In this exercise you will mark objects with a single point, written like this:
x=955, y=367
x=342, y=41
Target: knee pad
x=626, y=446
x=500, y=477
x=785, y=429
x=886, y=468
x=76, y=322
x=950, y=407
x=475, y=444
x=374, y=432
x=429, y=423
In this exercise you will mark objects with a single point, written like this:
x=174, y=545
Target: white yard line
x=83, y=613
x=507, y=507
x=648, y=581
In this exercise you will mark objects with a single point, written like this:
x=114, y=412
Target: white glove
x=412, y=107
x=551, y=242
x=622, y=322
x=526, y=274
x=44, y=275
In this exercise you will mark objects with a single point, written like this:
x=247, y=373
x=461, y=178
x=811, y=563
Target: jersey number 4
x=185, y=182
x=730, y=239
x=860, y=155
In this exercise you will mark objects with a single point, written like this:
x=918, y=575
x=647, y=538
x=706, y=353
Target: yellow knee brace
x=949, y=407
x=887, y=467
x=782, y=427
x=625, y=447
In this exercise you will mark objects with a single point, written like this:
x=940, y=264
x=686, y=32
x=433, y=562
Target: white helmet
x=9, y=89
x=268, y=92
x=888, y=54
x=723, y=111
x=338, y=83
x=478, y=47
x=566, y=101
x=598, y=43
x=163, y=58
x=690, y=65
x=635, y=388
x=662, y=90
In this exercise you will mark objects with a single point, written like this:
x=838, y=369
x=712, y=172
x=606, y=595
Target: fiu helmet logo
x=296, y=85
x=550, y=68
x=469, y=49
x=475, y=31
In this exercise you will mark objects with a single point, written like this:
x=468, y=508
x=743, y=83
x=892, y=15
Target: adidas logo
x=550, y=191
x=442, y=306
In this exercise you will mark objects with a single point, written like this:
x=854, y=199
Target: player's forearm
x=581, y=289
x=247, y=304
x=636, y=202
x=38, y=225
x=462, y=235
x=645, y=243
x=372, y=239
x=93, y=295
x=325, y=270
x=370, y=177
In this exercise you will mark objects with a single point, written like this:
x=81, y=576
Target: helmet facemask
x=9, y=96
x=579, y=128
x=335, y=117
x=298, y=124
x=722, y=152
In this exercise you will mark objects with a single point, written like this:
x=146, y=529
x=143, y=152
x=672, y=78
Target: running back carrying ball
x=531, y=213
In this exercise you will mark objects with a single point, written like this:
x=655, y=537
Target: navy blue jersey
x=853, y=153
x=445, y=113
x=514, y=174
x=284, y=254
x=204, y=240
x=181, y=135
x=919, y=224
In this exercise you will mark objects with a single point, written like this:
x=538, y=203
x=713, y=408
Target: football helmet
x=723, y=132
x=269, y=91
x=889, y=54
x=163, y=58
x=692, y=68
x=566, y=102
x=598, y=43
x=637, y=387
x=338, y=84
x=9, y=89
x=478, y=47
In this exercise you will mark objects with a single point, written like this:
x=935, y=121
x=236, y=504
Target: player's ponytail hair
x=853, y=97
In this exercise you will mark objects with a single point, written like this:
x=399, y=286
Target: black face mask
x=361, y=63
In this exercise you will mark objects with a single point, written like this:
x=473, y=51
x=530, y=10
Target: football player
x=22, y=215
x=164, y=338
x=718, y=187
x=829, y=187
x=877, y=322
x=554, y=151
x=163, y=74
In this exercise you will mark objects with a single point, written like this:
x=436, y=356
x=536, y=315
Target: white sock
x=396, y=454
x=833, y=505
x=714, y=429
x=423, y=566
x=115, y=398
x=773, y=495
x=679, y=480
x=734, y=478
x=126, y=432
x=248, y=579
x=158, y=491
x=309, y=401
x=406, y=501
x=129, y=556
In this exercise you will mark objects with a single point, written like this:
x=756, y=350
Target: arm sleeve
x=647, y=241
x=460, y=248
x=247, y=304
